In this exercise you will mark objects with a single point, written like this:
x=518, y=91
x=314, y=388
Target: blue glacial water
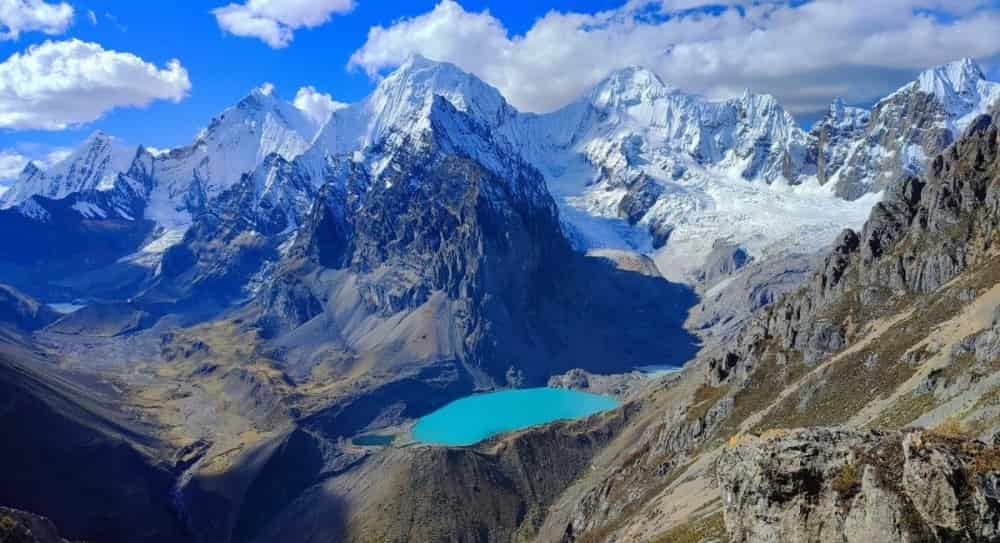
x=477, y=417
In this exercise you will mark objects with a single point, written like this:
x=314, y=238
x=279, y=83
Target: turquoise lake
x=477, y=417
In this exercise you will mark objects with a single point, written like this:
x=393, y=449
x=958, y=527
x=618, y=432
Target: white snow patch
x=166, y=240
x=89, y=210
x=65, y=308
x=766, y=220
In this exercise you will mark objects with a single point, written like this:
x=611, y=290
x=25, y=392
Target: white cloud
x=17, y=16
x=59, y=84
x=266, y=88
x=12, y=161
x=275, y=21
x=92, y=16
x=54, y=156
x=316, y=105
x=804, y=54
x=11, y=164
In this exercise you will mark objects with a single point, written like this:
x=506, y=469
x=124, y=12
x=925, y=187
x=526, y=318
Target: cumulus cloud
x=275, y=21
x=316, y=105
x=804, y=53
x=11, y=164
x=13, y=161
x=64, y=83
x=17, y=16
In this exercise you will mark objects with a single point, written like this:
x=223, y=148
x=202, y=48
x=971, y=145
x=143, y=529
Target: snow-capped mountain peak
x=93, y=165
x=960, y=77
x=261, y=122
x=961, y=88
x=907, y=127
x=401, y=104
x=233, y=144
x=405, y=97
x=629, y=87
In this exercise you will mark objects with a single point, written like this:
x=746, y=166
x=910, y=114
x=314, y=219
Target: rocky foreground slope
x=854, y=486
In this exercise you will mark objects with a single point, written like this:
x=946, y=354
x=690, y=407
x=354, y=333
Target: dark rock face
x=69, y=455
x=833, y=136
x=237, y=235
x=55, y=241
x=23, y=527
x=444, y=220
x=852, y=486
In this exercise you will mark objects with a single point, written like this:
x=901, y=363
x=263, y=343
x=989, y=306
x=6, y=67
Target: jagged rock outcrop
x=854, y=486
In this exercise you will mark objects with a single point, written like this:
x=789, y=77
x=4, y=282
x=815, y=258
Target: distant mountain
x=905, y=128
x=633, y=164
x=94, y=165
x=233, y=144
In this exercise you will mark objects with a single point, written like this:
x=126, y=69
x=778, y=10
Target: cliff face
x=853, y=486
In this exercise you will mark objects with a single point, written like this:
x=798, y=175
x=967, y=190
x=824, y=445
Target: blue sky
x=540, y=54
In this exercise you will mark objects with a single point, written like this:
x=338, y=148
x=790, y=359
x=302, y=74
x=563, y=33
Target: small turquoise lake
x=477, y=417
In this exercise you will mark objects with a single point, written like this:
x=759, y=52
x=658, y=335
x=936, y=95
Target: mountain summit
x=93, y=165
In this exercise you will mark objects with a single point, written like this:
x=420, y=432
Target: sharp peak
x=957, y=75
x=627, y=86
x=764, y=98
x=421, y=76
x=418, y=67
x=31, y=167
x=634, y=72
x=966, y=66
x=263, y=96
x=417, y=64
x=418, y=61
x=630, y=78
x=97, y=135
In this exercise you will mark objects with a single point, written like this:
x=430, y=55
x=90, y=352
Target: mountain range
x=633, y=150
x=210, y=328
